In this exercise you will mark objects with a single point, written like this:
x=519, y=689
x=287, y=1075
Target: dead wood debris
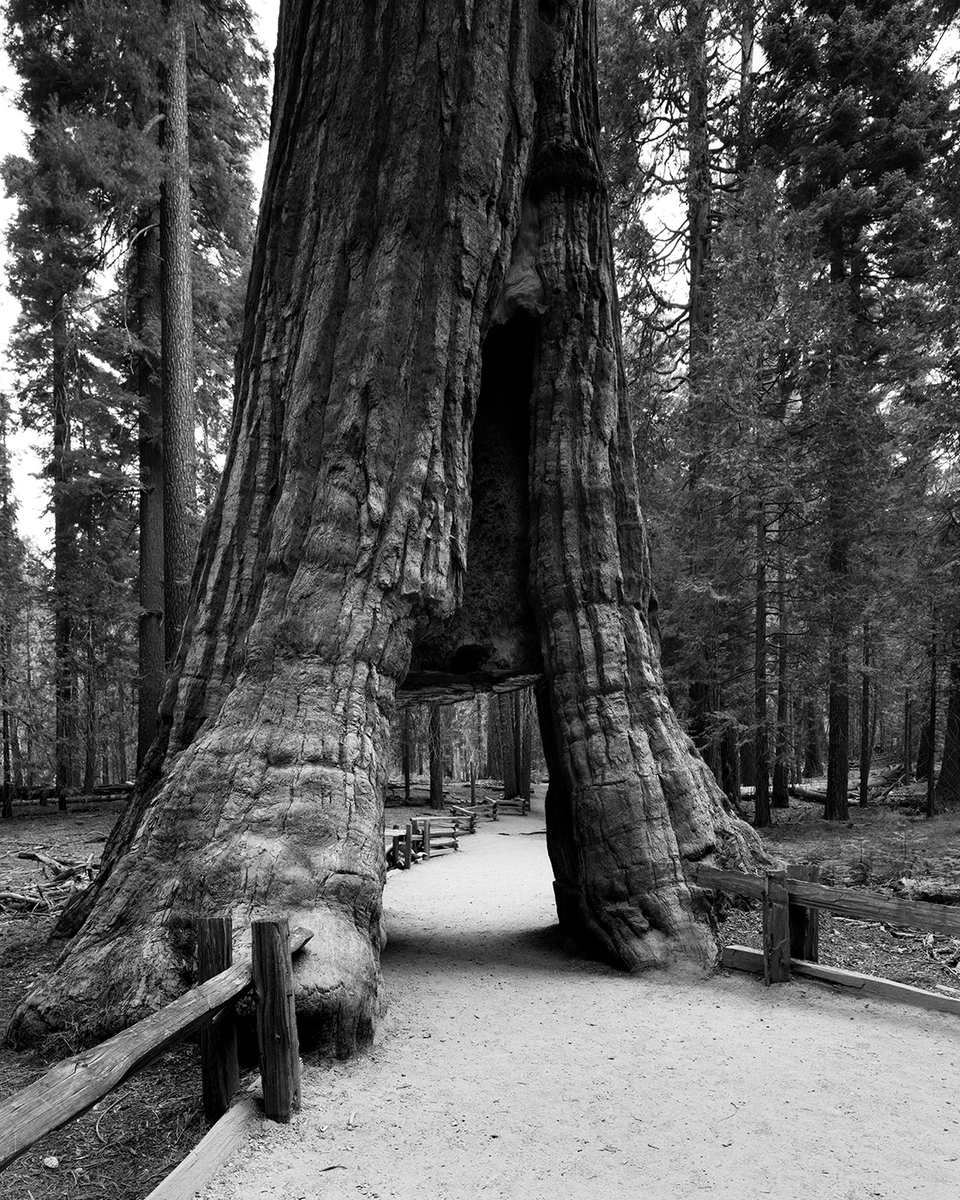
x=65, y=877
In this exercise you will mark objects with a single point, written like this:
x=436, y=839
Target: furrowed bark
x=64, y=559
x=145, y=288
x=432, y=307
x=179, y=407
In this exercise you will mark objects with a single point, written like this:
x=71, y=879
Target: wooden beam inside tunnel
x=440, y=687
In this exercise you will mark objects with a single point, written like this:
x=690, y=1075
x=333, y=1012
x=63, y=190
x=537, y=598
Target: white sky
x=32, y=498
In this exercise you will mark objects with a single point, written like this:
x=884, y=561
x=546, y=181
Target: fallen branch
x=816, y=797
x=19, y=898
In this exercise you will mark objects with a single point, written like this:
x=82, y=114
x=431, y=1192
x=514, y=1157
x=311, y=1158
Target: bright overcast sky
x=32, y=498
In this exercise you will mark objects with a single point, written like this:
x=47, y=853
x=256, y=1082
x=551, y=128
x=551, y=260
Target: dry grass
x=875, y=848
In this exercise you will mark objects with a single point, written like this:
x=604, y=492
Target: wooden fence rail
x=917, y=914
x=77, y=1083
x=790, y=902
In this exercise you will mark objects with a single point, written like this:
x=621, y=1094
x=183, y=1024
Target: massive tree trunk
x=432, y=305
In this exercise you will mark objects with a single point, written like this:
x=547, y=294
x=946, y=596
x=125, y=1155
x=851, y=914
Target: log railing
x=76, y=1084
x=791, y=901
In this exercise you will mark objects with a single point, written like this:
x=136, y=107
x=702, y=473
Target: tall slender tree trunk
x=179, y=408
x=841, y=503
x=838, y=729
x=781, y=767
x=706, y=698
x=699, y=187
x=65, y=570
x=405, y=754
x=745, y=136
x=761, y=743
x=812, y=740
x=436, y=756
x=907, y=735
x=434, y=214
x=7, y=603
x=866, y=721
x=838, y=634
x=492, y=767
x=931, y=805
x=6, y=789
x=524, y=770
x=145, y=303
x=948, y=781
x=507, y=739
x=516, y=705
x=90, y=711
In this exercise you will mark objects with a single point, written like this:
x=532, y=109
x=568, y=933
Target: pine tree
x=90, y=87
x=854, y=121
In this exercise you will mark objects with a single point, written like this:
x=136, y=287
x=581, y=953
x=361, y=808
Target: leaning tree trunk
x=432, y=308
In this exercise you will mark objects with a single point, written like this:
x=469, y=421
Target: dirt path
x=507, y=1068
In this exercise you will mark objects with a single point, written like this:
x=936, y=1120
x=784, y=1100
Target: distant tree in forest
x=86, y=233
x=746, y=632
x=854, y=119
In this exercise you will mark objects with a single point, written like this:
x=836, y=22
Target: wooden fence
x=77, y=1083
x=791, y=901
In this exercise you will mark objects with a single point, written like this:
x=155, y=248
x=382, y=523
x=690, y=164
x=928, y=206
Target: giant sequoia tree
x=430, y=490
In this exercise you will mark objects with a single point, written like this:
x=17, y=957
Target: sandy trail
x=508, y=1068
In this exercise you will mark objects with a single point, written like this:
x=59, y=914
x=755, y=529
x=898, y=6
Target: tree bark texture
x=506, y=739
x=179, y=407
x=866, y=723
x=812, y=739
x=65, y=571
x=948, y=780
x=907, y=736
x=145, y=289
x=761, y=741
x=437, y=730
x=6, y=788
x=840, y=528
x=434, y=214
x=931, y=745
x=781, y=766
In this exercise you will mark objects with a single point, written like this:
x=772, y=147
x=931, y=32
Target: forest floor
x=123, y=1147
x=508, y=1066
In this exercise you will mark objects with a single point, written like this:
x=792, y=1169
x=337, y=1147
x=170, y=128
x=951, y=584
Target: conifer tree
x=854, y=119
x=90, y=90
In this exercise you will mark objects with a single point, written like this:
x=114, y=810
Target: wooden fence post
x=408, y=848
x=776, y=928
x=219, y=1068
x=276, y=1019
x=804, y=921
